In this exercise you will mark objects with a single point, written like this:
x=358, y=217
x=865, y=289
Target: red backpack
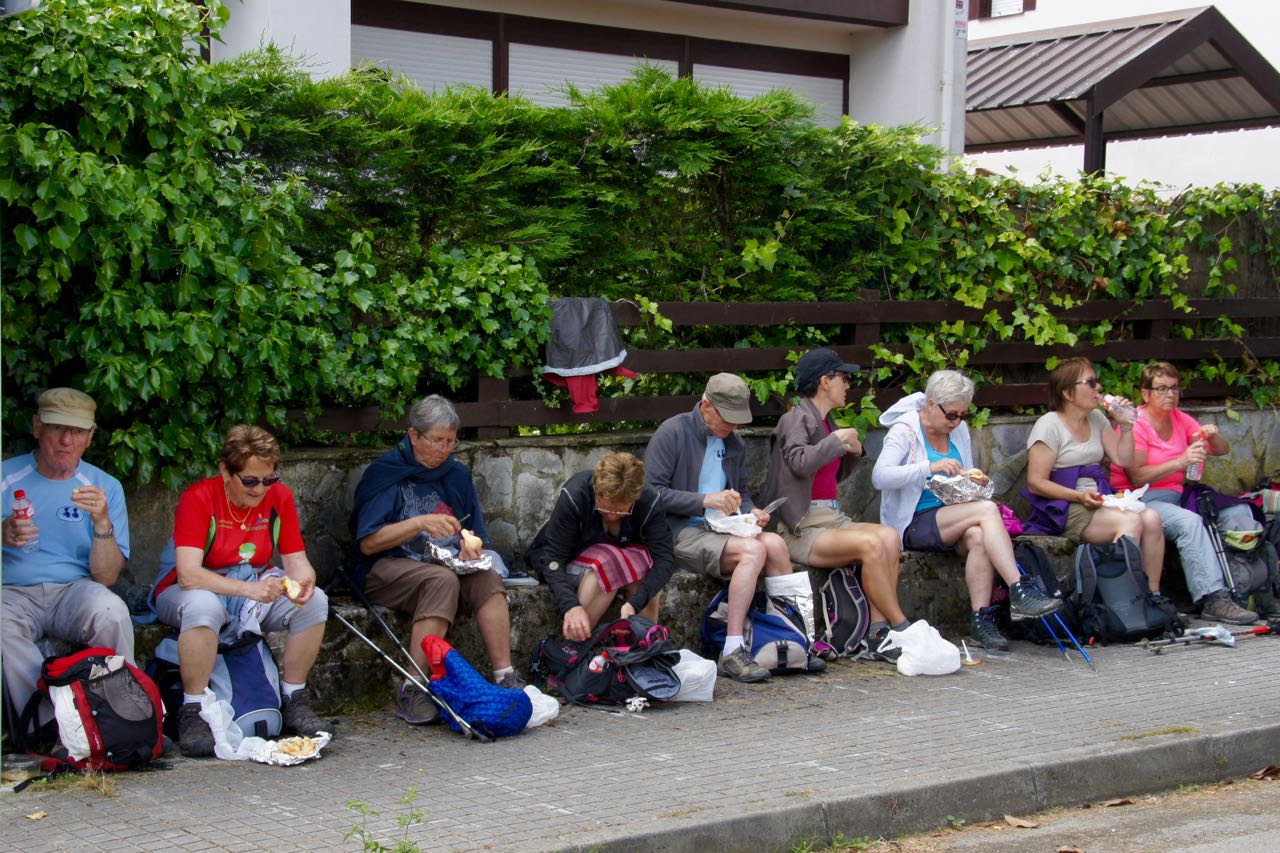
x=108, y=712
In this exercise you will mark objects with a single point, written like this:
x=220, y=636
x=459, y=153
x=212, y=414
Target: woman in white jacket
x=928, y=436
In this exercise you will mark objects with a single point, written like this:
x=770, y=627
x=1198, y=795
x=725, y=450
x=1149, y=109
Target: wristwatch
x=110, y=534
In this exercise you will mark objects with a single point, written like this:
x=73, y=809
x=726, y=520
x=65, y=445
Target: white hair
x=949, y=386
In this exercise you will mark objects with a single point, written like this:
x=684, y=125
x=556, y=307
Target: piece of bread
x=299, y=747
x=471, y=541
x=292, y=589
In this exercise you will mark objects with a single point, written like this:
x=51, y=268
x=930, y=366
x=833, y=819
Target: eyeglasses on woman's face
x=1165, y=390
x=952, y=417
x=1091, y=381
x=254, y=482
x=439, y=442
x=611, y=512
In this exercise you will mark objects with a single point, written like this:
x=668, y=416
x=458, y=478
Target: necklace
x=242, y=521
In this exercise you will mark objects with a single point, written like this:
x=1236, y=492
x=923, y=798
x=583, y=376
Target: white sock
x=188, y=699
x=731, y=643
x=499, y=674
x=287, y=689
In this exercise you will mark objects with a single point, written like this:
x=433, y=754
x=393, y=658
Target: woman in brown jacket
x=808, y=457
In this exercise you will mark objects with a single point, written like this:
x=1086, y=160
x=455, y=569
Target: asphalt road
x=1233, y=817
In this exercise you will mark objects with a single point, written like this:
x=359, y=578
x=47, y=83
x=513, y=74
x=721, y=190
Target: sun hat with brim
x=67, y=407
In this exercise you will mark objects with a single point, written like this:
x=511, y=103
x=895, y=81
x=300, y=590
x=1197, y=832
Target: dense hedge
x=199, y=245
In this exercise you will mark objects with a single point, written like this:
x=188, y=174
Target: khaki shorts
x=818, y=519
x=1078, y=518
x=428, y=591
x=698, y=550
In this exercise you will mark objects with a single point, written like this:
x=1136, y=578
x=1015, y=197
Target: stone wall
x=518, y=478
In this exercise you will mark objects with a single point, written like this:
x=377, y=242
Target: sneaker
x=1219, y=606
x=739, y=665
x=983, y=631
x=519, y=577
x=1028, y=601
x=195, y=738
x=511, y=681
x=871, y=648
x=414, y=706
x=297, y=716
x=815, y=664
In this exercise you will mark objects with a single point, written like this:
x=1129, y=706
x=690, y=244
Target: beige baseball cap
x=731, y=397
x=67, y=407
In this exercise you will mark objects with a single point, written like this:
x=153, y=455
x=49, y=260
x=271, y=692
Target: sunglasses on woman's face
x=1092, y=382
x=254, y=482
x=952, y=417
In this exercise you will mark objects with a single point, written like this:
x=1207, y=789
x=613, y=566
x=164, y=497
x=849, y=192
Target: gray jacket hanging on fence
x=584, y=343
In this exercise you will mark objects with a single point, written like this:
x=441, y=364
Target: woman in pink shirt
x=1166, y=440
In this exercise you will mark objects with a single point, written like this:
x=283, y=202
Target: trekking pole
x=1209, y=517
x=1048, y=626
x=425, y=683
x=1219, y=637
x=1075, y=642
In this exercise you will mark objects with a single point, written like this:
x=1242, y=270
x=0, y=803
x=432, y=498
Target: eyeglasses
x=952, y=417
x=1165, y=389
x=1092, y=382
x=613, y=513
x=254, y=482
x=437, y=441
x=75, y=432
x=843, y=377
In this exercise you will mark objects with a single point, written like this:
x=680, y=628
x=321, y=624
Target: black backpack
x=624, y=658
x=845, y=612
x=1038, y=571
x=1111, y=596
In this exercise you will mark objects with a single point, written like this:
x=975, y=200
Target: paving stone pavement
x=859, y=750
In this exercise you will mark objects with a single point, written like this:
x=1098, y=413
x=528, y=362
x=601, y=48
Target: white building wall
x=914, y=74
x=318, y=31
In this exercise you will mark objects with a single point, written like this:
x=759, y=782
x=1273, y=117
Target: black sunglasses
x=952, y=417
x=1092, y=382
x=254, y=482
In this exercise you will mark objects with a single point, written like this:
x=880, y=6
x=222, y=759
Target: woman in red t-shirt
x=244, y=514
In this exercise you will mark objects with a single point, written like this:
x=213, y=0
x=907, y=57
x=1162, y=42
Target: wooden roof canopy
x=1167, y=74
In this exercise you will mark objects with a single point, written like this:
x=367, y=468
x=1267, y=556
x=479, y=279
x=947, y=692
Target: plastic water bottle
x=22, y=508
x=1196, y=469
x=1119, y=410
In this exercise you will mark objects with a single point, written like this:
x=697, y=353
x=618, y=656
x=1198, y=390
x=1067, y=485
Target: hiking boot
x=815, y=664
x=739, y=665
x=511, y=681
x=414, y=706
x=871, y=648
x=1028, y=601
x=983, y=631
x=195, y=738
x=297, y=716
x=1219, y=606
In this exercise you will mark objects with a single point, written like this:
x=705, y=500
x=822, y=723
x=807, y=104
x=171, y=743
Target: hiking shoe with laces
x=511, y=681
x=1219, y=606
x=195, y=738
x=414, y=706
x=983, y=631
x=519, y=577
x=1265, y=605
x=1028, y=601
x=739, y=665
x=297, y=716
x=871, y=648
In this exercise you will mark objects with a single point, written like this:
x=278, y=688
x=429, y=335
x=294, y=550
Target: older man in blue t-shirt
x=59, y=563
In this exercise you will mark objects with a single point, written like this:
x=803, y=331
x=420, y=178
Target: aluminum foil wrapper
x=268, y=751
x=959, y=489
x=797, y=590
x=743, y=524
x=449, y=559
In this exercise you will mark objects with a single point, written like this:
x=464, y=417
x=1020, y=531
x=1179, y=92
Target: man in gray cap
x=698, y=463
x=59, y=562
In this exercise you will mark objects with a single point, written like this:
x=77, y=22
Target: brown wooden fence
x=1147, y=326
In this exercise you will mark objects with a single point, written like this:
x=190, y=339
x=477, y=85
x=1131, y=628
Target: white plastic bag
x=1130, y=500
x=545, y=708
x=924, y=652
x=697, y=678
x=743, y=524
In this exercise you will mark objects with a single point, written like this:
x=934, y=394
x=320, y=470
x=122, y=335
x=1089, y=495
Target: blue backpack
x=245, y=675
x=774, y=632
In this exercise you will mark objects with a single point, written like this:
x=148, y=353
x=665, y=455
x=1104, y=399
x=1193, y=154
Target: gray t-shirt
x=1050, y=431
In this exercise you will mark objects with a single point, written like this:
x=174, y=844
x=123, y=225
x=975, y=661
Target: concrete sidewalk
x=860, y=750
